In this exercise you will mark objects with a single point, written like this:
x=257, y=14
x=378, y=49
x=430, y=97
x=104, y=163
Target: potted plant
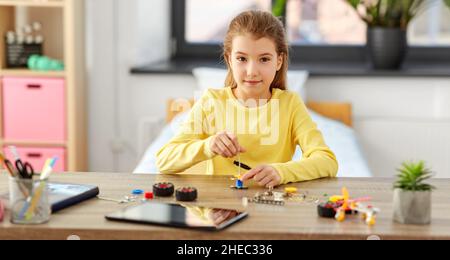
x=279, y=8
x=412, y=197
x=387, y=22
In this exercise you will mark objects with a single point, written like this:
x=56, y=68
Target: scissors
x=25, y=169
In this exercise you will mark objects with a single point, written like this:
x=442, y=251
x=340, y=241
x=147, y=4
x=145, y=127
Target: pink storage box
x=37, y=157
x=34, y=109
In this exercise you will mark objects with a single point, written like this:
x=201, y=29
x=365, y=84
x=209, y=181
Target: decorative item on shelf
x=412, y=197
x=43, y=63
x=22, y=44
x=387, y=23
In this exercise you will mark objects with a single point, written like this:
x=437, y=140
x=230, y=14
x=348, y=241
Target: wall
x=396, y=119
x=122, y=34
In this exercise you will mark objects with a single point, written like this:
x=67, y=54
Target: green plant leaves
x=447, y=2
x=390, y=13
x=279, y=8
x=355, y=3
x=412, y=175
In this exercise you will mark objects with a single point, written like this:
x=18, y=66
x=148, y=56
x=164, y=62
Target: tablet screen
x=179, y=216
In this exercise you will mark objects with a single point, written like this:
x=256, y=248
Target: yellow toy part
x=340, y=215
x=370, y=220
x=336, y=198
x=290, y=190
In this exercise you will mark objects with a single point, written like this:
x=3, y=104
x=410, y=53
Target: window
x=324, y=22
x=318, y=30
x=216, y=14
x=431, y=28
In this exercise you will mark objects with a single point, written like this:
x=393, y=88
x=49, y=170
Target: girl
x=254, y=119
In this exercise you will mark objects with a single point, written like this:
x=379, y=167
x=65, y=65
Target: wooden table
x=296, y=220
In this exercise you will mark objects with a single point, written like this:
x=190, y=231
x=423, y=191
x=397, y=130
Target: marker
x=29, y=207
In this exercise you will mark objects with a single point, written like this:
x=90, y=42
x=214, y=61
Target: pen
x=10, y=168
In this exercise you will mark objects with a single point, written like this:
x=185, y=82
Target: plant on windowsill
x=279, y=8
x=412, y=197
x=387, y=22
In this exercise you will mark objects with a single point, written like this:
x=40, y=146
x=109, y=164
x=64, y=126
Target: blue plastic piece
x=138, y=192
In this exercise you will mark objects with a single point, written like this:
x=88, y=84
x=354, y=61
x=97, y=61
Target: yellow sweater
x=269, y=132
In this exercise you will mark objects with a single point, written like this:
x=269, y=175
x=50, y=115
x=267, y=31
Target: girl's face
x=254, y=63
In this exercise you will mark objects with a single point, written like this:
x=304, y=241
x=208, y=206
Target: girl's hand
x=226, y=145
x=264, y=175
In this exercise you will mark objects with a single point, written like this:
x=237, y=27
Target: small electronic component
x=163, y=189
x=280, y=198
x=239, y=185
x=186, y=194
x=126, y=199
x=268, y=197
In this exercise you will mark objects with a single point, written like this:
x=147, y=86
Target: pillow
x=147, y=164
x=214, y=78
x=340, y=138
x=148, y=161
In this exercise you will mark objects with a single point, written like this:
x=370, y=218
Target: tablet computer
x=63, y=195
x=175, y=215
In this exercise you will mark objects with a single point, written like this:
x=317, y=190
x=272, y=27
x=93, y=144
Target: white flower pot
x=412, y=207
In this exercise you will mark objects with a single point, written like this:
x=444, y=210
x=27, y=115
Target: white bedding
x=339, y=137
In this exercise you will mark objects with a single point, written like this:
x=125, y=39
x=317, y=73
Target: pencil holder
x=29, y=201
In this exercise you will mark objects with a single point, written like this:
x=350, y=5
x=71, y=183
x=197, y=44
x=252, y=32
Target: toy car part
x=339, y=206
x=186, y=194
x=163, y=189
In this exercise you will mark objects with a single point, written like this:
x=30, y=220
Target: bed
x=334, y=120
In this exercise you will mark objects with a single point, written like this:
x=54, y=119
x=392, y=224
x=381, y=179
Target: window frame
x=298, y=53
